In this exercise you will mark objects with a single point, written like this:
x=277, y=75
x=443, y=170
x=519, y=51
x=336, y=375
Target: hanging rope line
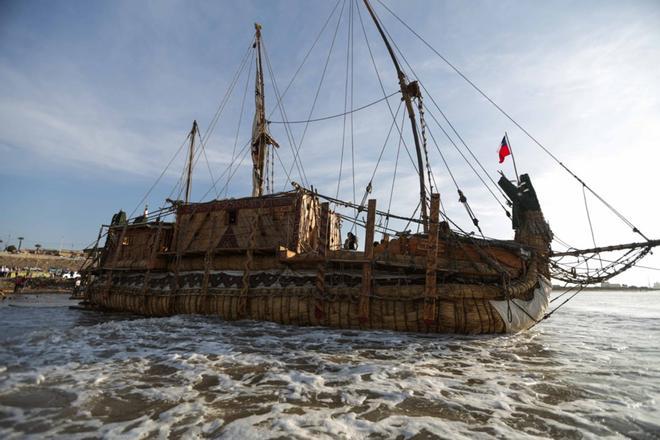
x=343, y=130
x=510, y=118
x=462, y=197
x=287, y=128
x=422, y=132
x=591, y=227
x=451, y=141
x=240, y=115
x=338, y=115
x=143, y=199
x=369, y=186
x=396, y=166
x=572, y=273
x=318, y=89
x=280, y=96
x=351, y=115
x=382, y=88
x=243, y=152
x=204, y=138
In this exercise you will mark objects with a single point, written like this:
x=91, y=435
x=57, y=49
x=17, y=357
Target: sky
x=97, y=97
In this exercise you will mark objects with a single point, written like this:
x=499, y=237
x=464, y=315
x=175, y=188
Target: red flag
x=504, y=149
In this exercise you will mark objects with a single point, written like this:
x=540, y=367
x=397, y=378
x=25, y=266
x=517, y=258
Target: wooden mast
x=260, y=136
x=191, y=155
x=408, y=91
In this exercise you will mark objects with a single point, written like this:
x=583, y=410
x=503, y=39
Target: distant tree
x=11, y=248
x=20, y=242
x=37, y=247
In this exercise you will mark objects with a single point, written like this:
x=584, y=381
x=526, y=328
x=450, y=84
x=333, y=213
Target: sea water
x=590, y=371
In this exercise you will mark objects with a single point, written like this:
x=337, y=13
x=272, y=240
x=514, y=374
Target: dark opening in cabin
x=231, y=216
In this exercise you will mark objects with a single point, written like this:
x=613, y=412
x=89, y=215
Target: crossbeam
x=616, y=247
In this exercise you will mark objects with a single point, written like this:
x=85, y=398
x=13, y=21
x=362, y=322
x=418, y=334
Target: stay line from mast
x=461, y=196
x=318, y=89
x=382, y=88
x=510, y=118
x=403, y=83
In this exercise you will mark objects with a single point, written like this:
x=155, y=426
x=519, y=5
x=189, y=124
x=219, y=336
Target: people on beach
x=19, y=283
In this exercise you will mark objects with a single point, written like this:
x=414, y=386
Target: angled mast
x=260, y=136
x=191, y=155
x=409, y=90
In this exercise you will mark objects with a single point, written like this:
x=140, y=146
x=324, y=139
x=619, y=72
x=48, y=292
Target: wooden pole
x=320, y=269
x=259, y=143
x=515, y=169
x=431, y=288
x=191, y=155
x=617, y=247
x=406, y=96
x=367, y=267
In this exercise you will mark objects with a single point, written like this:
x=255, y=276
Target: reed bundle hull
x=460, y=308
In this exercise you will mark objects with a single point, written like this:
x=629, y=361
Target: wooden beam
x=616, y=247
x=208, y=257
x=367, y=268
x=431, y=289
x=320, y=269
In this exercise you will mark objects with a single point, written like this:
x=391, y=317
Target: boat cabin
x=287, y=222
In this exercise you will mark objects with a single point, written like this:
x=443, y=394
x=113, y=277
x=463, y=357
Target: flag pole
x=515, y=169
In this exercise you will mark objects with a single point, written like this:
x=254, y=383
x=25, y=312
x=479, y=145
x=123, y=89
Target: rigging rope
x=240, y=115
x=140, y=203
x=343, y=133
x=451, y=141
x=462, y=197
x=369, y=187
x=287, y=128
x=591, y=228
x=422, y=125
x=338, y=115
x=571, y=275
x=382, y=88
x=474, y=220
x=396, y=166
x=318, y=89
x=351, y=38
x=510, y=118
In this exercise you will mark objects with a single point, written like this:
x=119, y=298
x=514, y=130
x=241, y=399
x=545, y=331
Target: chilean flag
x=504, y=149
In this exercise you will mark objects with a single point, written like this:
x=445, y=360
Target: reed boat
x=290, y=257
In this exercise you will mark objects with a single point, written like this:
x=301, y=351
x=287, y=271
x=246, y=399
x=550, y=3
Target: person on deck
x=351, y=242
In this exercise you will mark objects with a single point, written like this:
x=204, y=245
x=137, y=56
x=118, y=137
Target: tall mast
x=191, y=155
x=408, y=91
x=260, y=136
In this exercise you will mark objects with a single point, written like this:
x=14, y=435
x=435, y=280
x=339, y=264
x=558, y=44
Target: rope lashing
x=475, y=220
